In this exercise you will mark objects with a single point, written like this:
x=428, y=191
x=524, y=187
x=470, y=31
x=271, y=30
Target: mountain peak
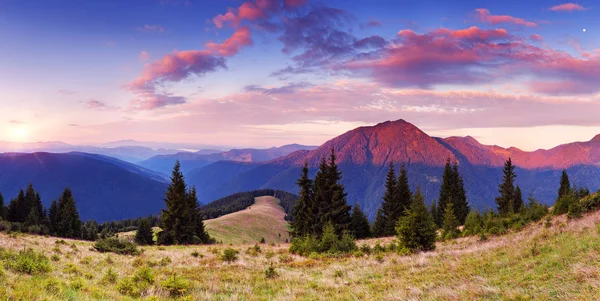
x=596, y=139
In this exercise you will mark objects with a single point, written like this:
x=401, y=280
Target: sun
x=19, y=133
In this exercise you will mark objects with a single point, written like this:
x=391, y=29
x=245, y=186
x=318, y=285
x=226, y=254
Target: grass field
x=560, y=261
x=264, y=219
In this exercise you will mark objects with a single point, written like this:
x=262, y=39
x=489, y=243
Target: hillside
x=104, y=188
x=263, y=219
x=364, y=154
x=555, y=262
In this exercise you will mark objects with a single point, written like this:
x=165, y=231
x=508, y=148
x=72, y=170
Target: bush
x=253, y=251
x=26, y=262
x=561, y=206
x=110, y=276
x=176, y=285
x=270, y=272
x=229, y=255
x=330, y=243
x=416, y=229
x=575, y=210
x=473, y=224
x=116, y=245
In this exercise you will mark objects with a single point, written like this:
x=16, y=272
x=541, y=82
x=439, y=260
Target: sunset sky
x=273, y=72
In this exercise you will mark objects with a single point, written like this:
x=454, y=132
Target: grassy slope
x=265, y=218
x=561, y=262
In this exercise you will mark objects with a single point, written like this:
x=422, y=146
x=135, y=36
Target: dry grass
x=538, y=263
x=265, y=218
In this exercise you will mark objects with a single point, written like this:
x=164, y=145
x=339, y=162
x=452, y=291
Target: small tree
x=473, y=224
x=518, y=203
x=450, y=229
x=359, y=223
x=68, y=223
x=144, y=235
x=506, y=189
x=378, y=229
x=565, y=185
x=416, y=230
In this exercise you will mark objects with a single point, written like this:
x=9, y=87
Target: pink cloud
x=254, y=11
x=151, y=28
x=566, y=87
x=569, y=7
x=144, y=56
x=536, y=37
x=484, y=15
x=240, y=38
x=98, y=105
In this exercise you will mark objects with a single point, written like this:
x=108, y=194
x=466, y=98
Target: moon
x=584, y=30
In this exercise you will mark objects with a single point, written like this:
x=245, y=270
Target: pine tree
x=389, y=206
x=433, y=209
x=339, y=210
x=3, y=209
x=506, y=189
x=518, y=203
x=201, y=236
x=404, y=195
x=450, y=229
x=473, y=223
x=459, y=196
x=416, y=230
x=143, y=235
x=445, y=190
x=304, y=210
x=174, y=217
x=359, y=224
x=565, y=185
x=68, y=223
x=321, y=197
x=53, y=216
x=378, y=229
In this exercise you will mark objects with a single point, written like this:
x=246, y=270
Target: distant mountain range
x=364, y=154
x=104, y=188
x=190, y=161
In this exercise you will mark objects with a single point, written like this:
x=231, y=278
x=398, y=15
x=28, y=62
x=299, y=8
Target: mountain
x=129, y=153
x=104, y=188
x=190, y=161
x=158, y=145
x=364, y=154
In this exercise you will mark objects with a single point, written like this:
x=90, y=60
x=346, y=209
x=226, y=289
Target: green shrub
x=86, y=260
x=473, y=224
x=76, y=283
x=270, y=272
x=165, y=261
x=110, y=276
x=229, y=255
x=330, y=243
x=116, y=245
x=144, y=275
x=176, y=285
x=575, y=210
x=561, y=206
x=129, y=288
x=55, y=257
x=26, y=262
x=285, y=258
x=253, y=251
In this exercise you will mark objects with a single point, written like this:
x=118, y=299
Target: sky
x=264, y=73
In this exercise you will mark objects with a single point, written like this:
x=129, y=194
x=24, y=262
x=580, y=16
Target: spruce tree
x=359, y=224
x=143, y=235
x=450, y=229
x=390, y=206
x=18, y=209
x=505, y=201
x=416, y=230
x=518, y=203
x=404, y=195
x=445, y=190
x=68, y=223
x=378, y=229
x=304, y=210
x=433, y=209
x=338, y=209
x=176, y=214
x=565, y=185
x=459, y=196
x=321, y=197
x=53, y=216
x=201, y=236
x=3, y=209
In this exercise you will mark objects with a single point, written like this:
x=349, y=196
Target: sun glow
x=19, y=133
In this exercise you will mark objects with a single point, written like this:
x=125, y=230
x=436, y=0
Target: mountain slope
x=191, y=161
x=104, y=188
x=263, y=219
x=364, y=154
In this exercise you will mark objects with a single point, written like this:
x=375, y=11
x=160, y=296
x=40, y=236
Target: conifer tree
x=68, y=223
x=3, y=209
x=565, y=185
x=459, y=196
x=450, y=229
x=201, y=236
x=143, y=235
x=338, y=210
x=176, y=214
x=304, y=210
x=359, y=224
x=445, y=190
x=18, y=209
x=518, y=203
x=322, y=196
x=378, y=229
x=433, y=209
x=505, y=201
x=416, y=230
x=404, y=194
x=390, y=206
x=53, y=216
x=473, y=223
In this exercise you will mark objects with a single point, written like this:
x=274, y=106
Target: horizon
x=276, y=72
